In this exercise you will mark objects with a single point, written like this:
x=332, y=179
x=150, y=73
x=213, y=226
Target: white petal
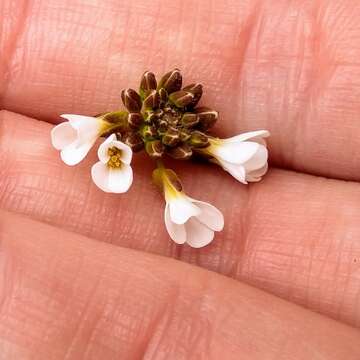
x=112, y=180
x=258, y=160
x=249, y=135
x=177, y=232
x=198, y=234
x=75, y=152
x=256, y=175
x=63, y=135
x=126, y=154
x=237, y=171
x=235, y=152
x=121, y=179
x=210, y=215
x=87, y=127
x=103, y=149
x=181, y=209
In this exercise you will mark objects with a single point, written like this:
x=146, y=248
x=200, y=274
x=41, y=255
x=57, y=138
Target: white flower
x=76, y=136
x=187, y=220
x=244, y=156
x=113, y=172
x=191, y=221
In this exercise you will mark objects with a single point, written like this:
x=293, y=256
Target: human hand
x=291, y=68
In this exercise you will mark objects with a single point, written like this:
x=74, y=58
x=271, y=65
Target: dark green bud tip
x=134, y=140
x=131, y=100
x=196, y=90
x=207, y=117
x=198, y=139
x=148, y=132
x=171, y=81
x=152, y=101
x=189, y=120
x=155, y=149
x=181, y=98
x=181, y=152
x=171, y=137
x=148, y=83
x=135, y=120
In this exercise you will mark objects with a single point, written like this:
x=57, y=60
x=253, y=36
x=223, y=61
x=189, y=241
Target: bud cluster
x=162, y=117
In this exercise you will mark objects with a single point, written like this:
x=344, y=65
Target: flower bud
x=115, y=117
x=152, y=101
x=148, y=83
x=131, y=100
x=171, y=137
x=163, y=96
x=189, y=120
x=181, y=152
x=134, y=140
x=162, y=126
x=196, y=90
x=171, y=81
x=198, y=139
x=148, y=132
x=185, y=135
x=181, y=98
x=154, y=148
x=135, y=120
x=207, y=117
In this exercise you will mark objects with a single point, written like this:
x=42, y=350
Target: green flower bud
x=181, y=152
x=171, y=81
x=155, y=148
x=196, y=90
x=148, y=83
x=152, y=101
x=189, y=120
x=171, y=137
x=134, y=140
x=198, y=139
x=135, y=120
x=181, y=98
x=207, y=117
x=148, y=132
x=131, y=100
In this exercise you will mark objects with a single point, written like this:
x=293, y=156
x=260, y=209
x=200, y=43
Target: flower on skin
x=113, y=172
x=76, y=136
x=187, y=220
x=244, y=156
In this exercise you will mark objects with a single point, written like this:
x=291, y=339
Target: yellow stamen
x=115, y=157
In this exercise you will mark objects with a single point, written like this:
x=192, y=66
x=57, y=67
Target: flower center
x=115, y=157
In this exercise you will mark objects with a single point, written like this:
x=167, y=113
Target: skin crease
x=290, y=67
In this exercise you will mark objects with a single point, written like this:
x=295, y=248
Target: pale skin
x=71, y=288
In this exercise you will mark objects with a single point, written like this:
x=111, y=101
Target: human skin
x=291, y=67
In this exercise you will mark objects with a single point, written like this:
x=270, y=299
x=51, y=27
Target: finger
x=293, y=235
x=142, y=306
x=290, y=67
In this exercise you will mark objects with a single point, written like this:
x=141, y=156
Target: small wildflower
x=187, y=220
x=113, y=172
x=163, y=119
